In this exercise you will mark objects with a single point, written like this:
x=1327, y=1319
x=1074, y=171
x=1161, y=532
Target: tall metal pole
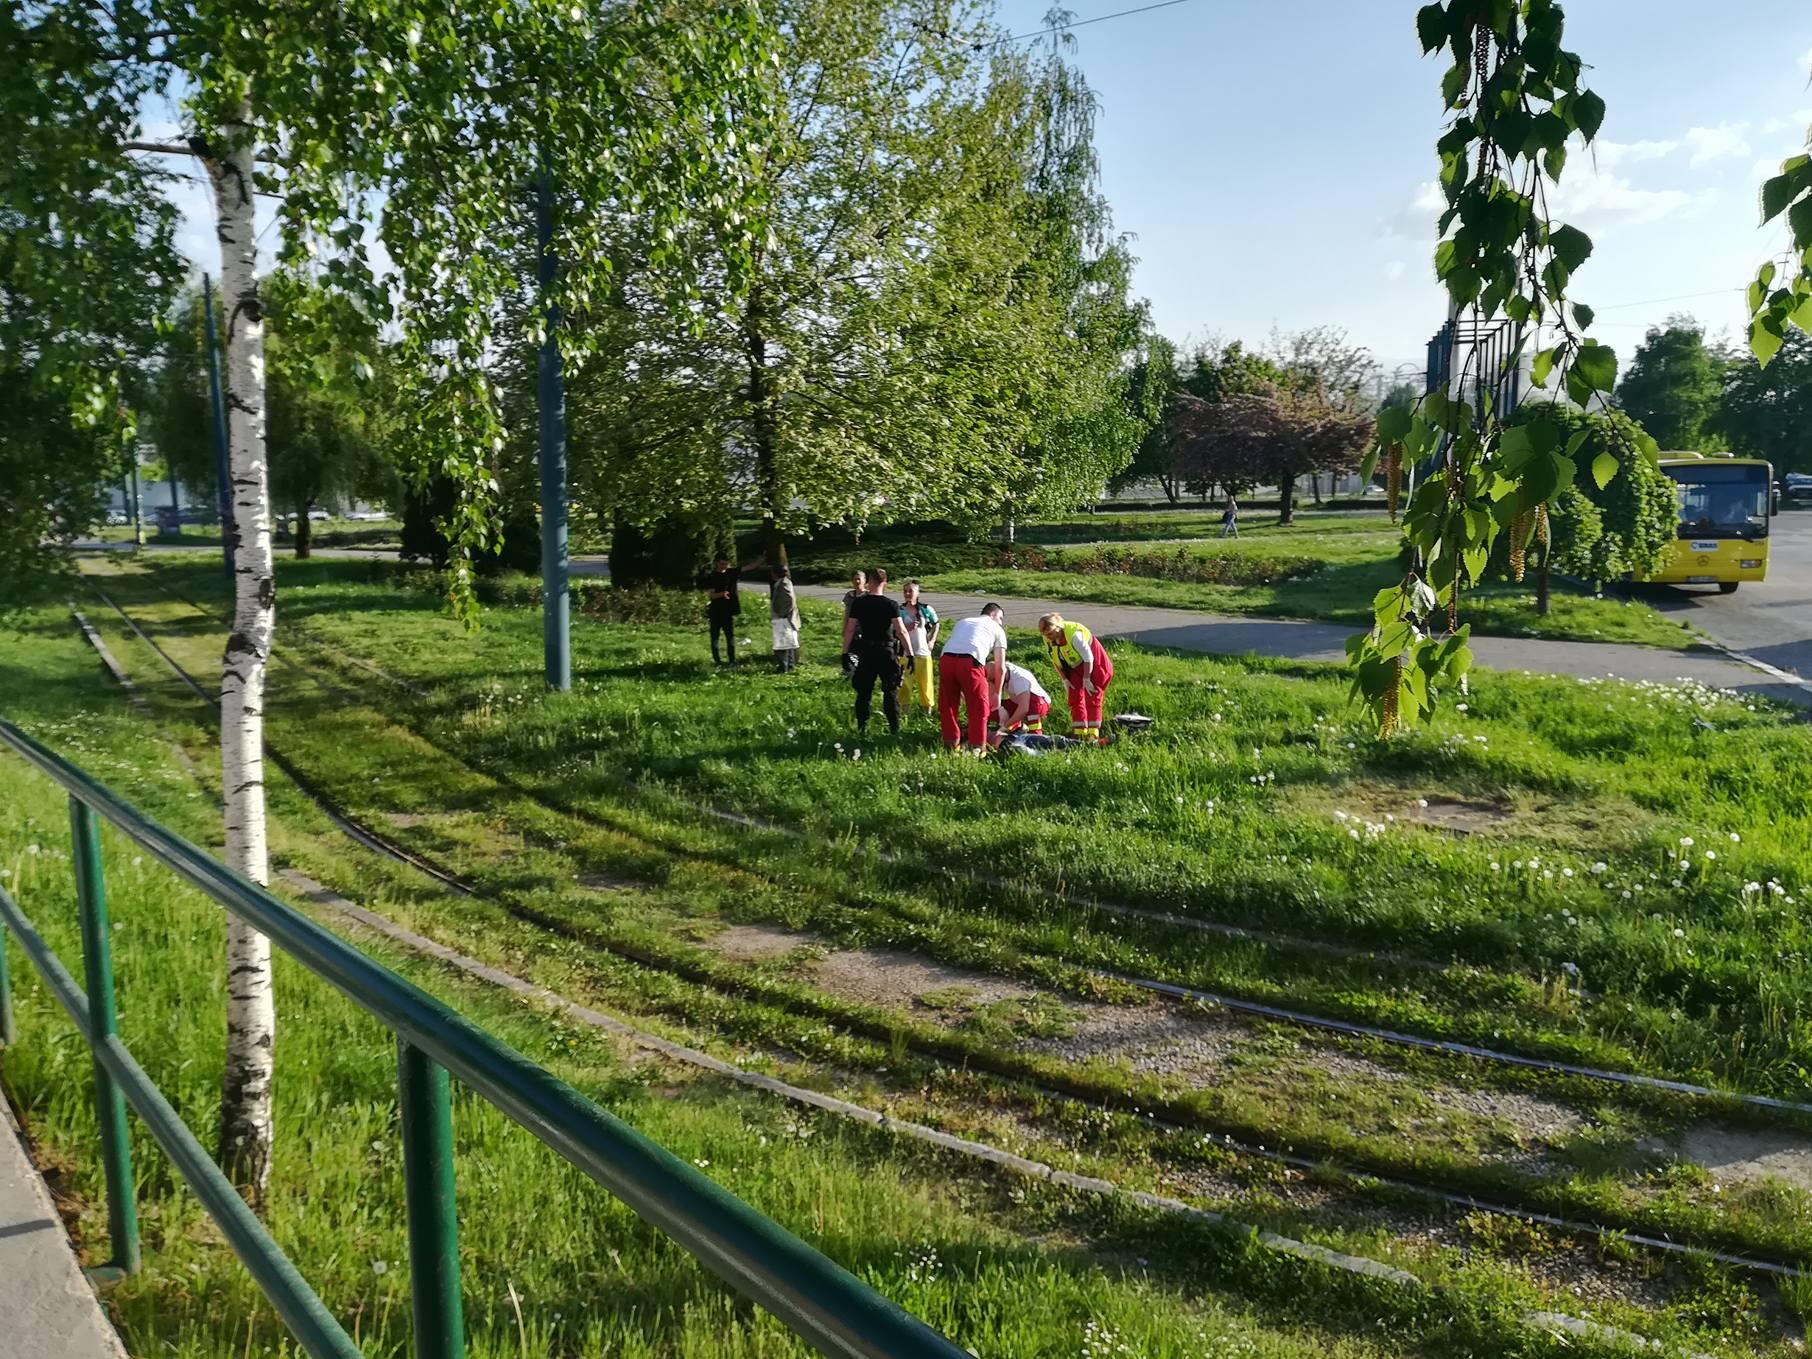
x=138, y=504
x=222, y=469
x=550, y=394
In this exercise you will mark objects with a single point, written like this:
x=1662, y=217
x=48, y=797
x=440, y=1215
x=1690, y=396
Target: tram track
x=1353, y=1177
x=1766, y=1105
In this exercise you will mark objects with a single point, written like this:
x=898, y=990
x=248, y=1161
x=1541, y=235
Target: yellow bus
x=1725, y=504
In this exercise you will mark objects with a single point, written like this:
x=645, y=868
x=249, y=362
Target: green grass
x=1005, y=1267
x=652, y=710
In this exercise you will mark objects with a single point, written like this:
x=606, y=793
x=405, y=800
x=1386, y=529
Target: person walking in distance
x=858, y=586
x=921, y=622
x=875, y=636
x=969, y=674
x=783, y=611
x=1230, y=518
x=723, y=605
x=1083, y=662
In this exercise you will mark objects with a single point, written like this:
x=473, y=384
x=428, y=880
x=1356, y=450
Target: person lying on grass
x=1023, y=703
x=1083, y=662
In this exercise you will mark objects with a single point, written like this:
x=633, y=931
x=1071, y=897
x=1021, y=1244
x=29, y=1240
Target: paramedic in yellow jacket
x=1083, y=662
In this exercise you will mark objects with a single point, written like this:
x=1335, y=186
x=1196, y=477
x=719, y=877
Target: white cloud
x=1795, y=122
x=1612, y=154
x=1607, y=200
x=1395, y=270
x=1710, y=144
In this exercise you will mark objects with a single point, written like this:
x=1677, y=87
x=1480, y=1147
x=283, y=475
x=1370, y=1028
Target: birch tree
x=390, y=123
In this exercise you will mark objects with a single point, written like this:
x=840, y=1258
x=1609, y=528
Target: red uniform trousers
x=962, y=680
x=1086, y=708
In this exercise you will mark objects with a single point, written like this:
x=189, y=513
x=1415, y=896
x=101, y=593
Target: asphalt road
x=1770, y=620
x=1225, y=635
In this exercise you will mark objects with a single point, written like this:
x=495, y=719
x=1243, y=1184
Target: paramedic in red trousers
x=969, y=675
x=1023, y=703
x=1082, y=661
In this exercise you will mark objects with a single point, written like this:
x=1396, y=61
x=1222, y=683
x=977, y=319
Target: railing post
x=427, y=1111
x=97, y=969
x=9, y=1032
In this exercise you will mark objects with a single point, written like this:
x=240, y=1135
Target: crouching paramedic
x=1023, y=702
x=968, y=676
x=1083, y=662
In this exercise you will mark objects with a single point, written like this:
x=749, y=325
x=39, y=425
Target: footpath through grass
x=1324, y=567
x=552, y=1266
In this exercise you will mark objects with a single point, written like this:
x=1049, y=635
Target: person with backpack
x=922, y=623
x=874, y=635
x=783, y=611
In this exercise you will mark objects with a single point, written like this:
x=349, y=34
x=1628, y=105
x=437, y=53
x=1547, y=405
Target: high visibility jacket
x=1074, y=645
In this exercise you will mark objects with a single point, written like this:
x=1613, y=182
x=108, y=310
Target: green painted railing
x=823, y=1304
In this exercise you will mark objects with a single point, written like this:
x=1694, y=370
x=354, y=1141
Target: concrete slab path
x=47, y=1308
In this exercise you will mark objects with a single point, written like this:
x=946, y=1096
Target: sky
x=1275, y=166
x=1275, y=162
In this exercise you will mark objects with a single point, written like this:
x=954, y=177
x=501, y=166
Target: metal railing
x=823, y=1304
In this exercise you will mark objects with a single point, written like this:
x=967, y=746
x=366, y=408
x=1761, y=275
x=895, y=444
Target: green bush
x=1639, y=508
x=1179, y=564
x=1576, y=529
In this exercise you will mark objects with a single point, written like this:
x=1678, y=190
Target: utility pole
x=138, y=507
x=550, y=399
x=222, y=475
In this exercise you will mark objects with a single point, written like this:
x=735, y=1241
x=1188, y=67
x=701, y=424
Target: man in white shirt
x=969, y=673
x=1023, y=702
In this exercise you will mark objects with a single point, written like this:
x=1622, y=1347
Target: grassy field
x=551, y=1265
x=1325, y=566
x=1258, y=802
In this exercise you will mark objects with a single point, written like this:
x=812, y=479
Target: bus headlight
x=1750, y=563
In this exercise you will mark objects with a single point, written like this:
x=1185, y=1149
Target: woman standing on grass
x=921, y=622
x=783, y=610
x=1083, y=662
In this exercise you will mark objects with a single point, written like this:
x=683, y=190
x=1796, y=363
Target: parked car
x=365, y=516
x=116, y=518
x=1798, y=483
x=319, y=516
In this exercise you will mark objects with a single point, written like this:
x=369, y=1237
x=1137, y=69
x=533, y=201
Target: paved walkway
x=1224, y=635
x=47, y=1309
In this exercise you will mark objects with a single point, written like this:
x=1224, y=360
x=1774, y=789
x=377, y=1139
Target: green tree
x=1269, y=432
x=1079, y=271
x=1767, y=412
x=1672, y=385
x=428, y=134
x=1638, y=508
x=1150, y=389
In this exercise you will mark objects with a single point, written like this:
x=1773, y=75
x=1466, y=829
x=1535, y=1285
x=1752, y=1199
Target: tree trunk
x=1172, y=488
x=245, y=1105
x=1286, y=500
x=1315, y=486
x=1541, y=581
x=762, y=428
x=305, y=534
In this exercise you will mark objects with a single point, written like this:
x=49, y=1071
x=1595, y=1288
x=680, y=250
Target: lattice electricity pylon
x=1479, y=357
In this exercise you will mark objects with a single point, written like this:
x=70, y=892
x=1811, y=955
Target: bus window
x=1729, y=501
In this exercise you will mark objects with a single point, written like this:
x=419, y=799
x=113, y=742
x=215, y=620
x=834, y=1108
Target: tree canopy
x=1673, y=384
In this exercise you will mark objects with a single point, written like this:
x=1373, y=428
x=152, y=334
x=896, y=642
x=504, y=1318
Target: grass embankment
x=1324, y=567
x=551, y=1264
x=1068, y=821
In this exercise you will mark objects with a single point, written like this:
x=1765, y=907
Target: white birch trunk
x=245, y=1107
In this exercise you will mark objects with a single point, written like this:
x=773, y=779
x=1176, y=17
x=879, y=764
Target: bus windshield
x=1721, y=500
